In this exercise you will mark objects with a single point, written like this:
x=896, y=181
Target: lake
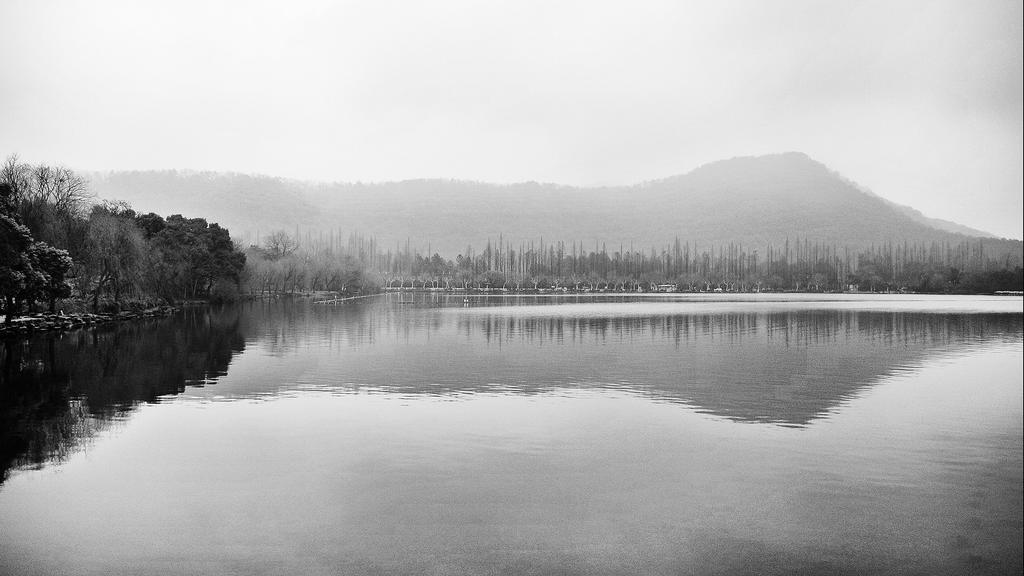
x=425, y=434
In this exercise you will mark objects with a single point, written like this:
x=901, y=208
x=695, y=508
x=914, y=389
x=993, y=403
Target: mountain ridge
x=751, y=200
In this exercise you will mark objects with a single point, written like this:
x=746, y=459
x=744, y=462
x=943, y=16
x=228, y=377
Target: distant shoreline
x=29, y=325
x=511, y=293
x=652, y=295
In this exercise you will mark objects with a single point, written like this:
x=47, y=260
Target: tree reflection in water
x=771, y=367
x=58, y=390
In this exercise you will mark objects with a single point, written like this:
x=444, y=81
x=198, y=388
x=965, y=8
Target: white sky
x=921, y=101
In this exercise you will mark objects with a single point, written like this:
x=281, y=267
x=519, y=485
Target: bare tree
x=17, y=176
x=279, y=244
x=61, y=188
x=51, y=201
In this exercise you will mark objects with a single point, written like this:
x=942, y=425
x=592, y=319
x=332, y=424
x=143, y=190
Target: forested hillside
x=749, y=201
x=780, y=222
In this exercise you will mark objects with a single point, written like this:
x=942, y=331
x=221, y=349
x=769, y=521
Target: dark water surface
x=767, y=435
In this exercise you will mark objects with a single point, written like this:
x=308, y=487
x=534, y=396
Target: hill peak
x=753, y=200
x=768, y=166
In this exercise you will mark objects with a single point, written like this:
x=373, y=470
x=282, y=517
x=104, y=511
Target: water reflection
x=777, y=366
x=57, y=391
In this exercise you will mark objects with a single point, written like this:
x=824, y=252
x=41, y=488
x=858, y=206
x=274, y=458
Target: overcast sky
x=921, y=101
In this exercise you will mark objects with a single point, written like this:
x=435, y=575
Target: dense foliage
x=30, y=270
x=56, y=243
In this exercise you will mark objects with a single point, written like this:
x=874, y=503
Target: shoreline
x=650, y=294
x=47, y=322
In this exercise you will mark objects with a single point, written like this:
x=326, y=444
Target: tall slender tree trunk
x=10, y=309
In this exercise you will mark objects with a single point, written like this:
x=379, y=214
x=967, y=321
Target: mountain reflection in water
x=772, y=366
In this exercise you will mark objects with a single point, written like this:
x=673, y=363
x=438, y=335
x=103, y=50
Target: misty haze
x=473, y=288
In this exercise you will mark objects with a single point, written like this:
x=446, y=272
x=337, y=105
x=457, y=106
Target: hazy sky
x=919, y=100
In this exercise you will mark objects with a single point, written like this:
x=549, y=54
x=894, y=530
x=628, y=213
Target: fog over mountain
x=749, y=200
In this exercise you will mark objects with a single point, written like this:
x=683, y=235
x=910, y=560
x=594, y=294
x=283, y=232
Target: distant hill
x=749, y=200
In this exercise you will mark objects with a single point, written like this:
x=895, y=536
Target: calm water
x=860, y=435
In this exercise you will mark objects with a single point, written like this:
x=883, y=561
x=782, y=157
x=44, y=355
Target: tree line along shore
x=63, y=251
x=282, y=264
